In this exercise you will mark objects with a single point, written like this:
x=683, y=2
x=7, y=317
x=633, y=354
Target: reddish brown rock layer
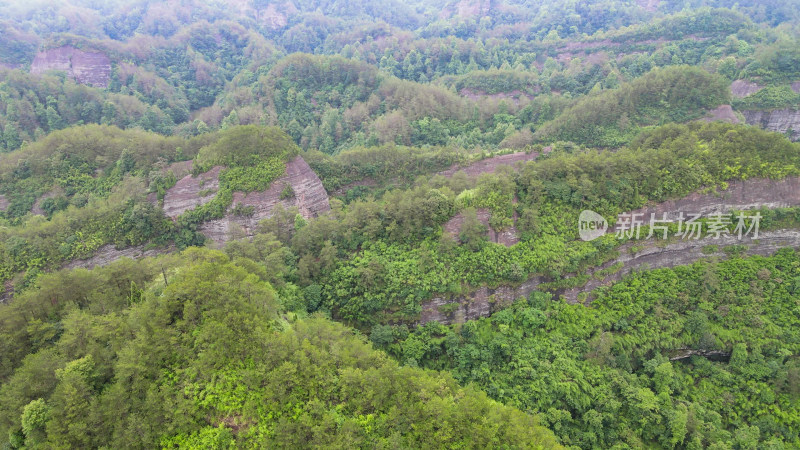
x=92, y=68
x=481, y=303
x=308, y=196
x=186, y=194
x=748, y=194
x=107, y=254
x=682, y=253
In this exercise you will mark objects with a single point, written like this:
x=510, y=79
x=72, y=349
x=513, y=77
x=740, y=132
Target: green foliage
x=613, y=118
x=202, y=358
x=601, y=376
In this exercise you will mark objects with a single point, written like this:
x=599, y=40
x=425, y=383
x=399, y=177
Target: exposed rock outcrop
x=190, y=192
x=722, y=113
x=490, y=165
x=4, y=203
x=780, y=120
x=482, y=303
x=108, y=253
x=796, y=87
x=686, y=353
x=307, y=194
x=515, y=96
x=92, y=68
x=747, y=194
x=743, y=88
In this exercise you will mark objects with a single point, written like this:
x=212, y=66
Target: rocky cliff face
x=190, y=192
x=3, y=203
x=743, y=88
x=780, y=120
x=722, y=113
x=307, y=194
x=748, y=194
x=92, y=68
x=482, y=303
x=107, y=254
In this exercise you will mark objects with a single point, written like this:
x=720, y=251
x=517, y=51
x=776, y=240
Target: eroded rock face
x=482, y=303
x=748, y=194
x=743, y=88
x=780, y=120
x=722, y=113
x=108, y=253
x=4, y=203
x=684, y=252
x=309, y=196
x=796, y=87
x=190, y=192
x=92, y=68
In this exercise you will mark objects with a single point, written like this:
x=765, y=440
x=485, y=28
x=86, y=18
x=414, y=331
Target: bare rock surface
x=796, y=87
x=722, y=113
x=747, y=194
x=743, y=88
x=481, y=303
x=4, y=203
x=92, y=68
x=108, y=253
x=490, y=165
x=780, y=120
x=308, y=195
x=186, y=194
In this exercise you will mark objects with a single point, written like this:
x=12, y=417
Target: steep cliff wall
x=780, y=120
x=308, y=195
x=190, y=192
x=108, y=254
x=722, y=113
x=743, y=88
x=3, y=203
x=92, y=68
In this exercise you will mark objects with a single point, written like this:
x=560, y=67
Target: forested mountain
x=361, y=224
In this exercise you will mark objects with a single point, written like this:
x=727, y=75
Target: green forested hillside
x=356, y=224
